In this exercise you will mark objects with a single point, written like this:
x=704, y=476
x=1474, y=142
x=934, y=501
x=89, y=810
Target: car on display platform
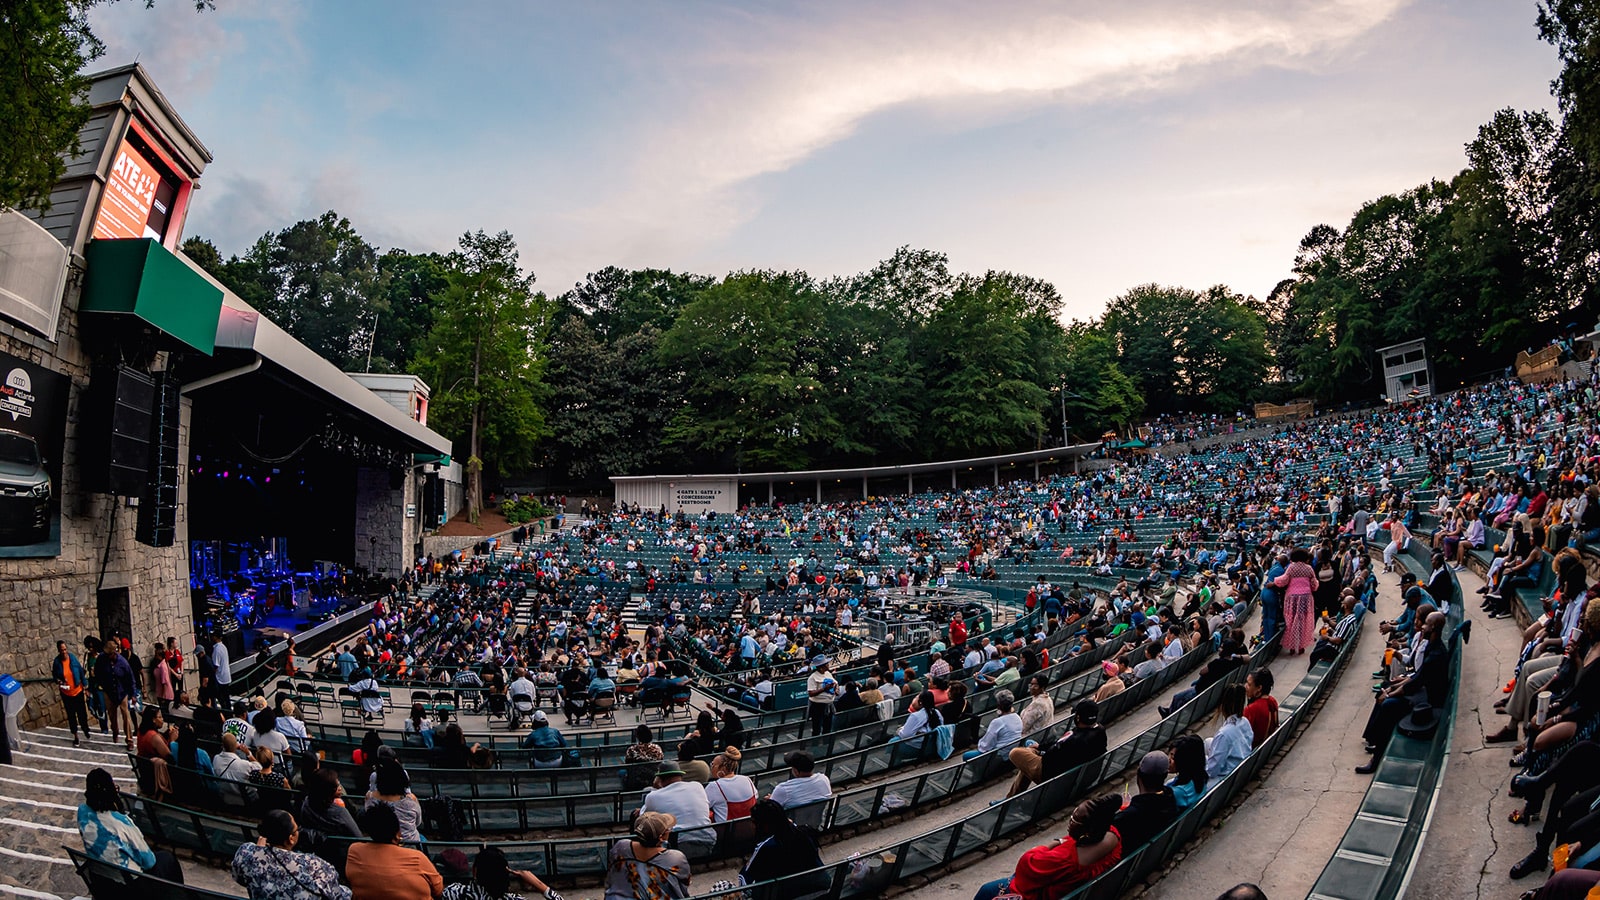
x=25, y=490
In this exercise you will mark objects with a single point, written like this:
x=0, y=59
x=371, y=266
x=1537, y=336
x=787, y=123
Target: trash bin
x=12, y=698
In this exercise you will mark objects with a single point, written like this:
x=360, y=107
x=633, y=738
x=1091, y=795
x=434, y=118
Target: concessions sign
x=129, y=196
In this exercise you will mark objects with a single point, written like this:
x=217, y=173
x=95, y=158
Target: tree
x=484, y=358
x=409, y=282
x=44, y=47
x=609, y=403
x=619, y=301
x=43, y=44
x=984, y=394
x=746, y=351
x=1099, y=394
x=323, y=287
x=1573, y=28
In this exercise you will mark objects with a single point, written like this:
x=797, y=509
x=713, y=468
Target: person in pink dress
x=1299, y=602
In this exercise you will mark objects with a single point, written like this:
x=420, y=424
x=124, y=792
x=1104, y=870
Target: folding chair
x=603, y=706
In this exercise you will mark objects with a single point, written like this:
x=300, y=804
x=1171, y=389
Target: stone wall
x=45, y=600
x=385, y=538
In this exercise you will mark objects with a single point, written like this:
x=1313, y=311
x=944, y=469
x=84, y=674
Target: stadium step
x=39, y=797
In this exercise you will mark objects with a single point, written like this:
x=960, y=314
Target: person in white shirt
x=974, y=659
x=805, y=784
x=1004, y=732
x=889, y=689
x=1041, y=710
x=924, y=720
x=730, y=794
x=686, y=801
x=1232, y=743
x=224, y=676
x=229, y=764
x=1154, y=661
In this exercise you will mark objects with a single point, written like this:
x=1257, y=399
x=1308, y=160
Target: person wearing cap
x=642, y=865
x=822, y=689
x=1153, y=808
x=805, y=785
x=686, y=802
x=1113, y=685
x=1085, y=741
x=547, y=743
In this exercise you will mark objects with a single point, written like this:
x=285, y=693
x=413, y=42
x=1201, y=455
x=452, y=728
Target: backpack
x=444, y=818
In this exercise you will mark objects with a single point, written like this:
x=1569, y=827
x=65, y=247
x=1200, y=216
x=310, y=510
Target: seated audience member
x=111, y=837
x=382, y=868
x=229, y=763
x=1231, y=745
x=642, y=758
x=643, y=863
x=1092, y=845
x=805, y=785
x=730, y=794
x=1430, y=682
x=493, y=879
x=1150, y=810
x=1261, y=709
x=686, y=802
x=1086, y=740
x=1004, y=731
x=324, y=819
x=271, y=867
x=1189, y=764
x=782, y=849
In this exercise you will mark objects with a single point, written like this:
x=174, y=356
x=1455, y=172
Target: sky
x=1099, y=144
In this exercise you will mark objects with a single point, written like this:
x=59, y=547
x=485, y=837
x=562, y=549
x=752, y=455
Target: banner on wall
x=33, y=431
x=129, y=196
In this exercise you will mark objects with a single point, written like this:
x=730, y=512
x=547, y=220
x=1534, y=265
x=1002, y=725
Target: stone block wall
x=384, y=538
x=45, y=600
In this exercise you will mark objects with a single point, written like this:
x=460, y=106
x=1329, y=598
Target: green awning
x=141, y=278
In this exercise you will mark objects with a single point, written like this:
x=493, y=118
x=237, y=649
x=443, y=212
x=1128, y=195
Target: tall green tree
x=617, y=302
x=409, y=282
x=44, y=47
x=325, y=287
x=485, y=358
x=984, y=394
x=1573, y=28
x=609, y=404
x=754, y=393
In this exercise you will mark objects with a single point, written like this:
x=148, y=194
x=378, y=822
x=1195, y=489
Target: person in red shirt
x=1051, y=871
x=958, y=632
x=1261, y=710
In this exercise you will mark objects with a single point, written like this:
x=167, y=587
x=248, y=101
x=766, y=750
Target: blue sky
x=1098, y=145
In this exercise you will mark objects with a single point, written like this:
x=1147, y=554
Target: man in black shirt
x=1086, y=741
x=1150, y=810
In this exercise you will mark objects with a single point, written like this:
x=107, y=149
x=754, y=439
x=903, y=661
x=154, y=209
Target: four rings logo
x=16, y=396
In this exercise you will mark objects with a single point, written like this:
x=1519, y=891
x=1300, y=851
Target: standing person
x=642, y=866
x=70, y=678
x=116, y=681
x=93, y=690
x=175, y=663
x=270, y=867
x=208, y=670
x=223, y=677
x=111, y=837
x=1299, y=582
x=822, y=689
x=161, y=680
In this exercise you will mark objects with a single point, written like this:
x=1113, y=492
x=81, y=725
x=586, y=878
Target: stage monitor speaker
x=114, y=440
x=158, y=502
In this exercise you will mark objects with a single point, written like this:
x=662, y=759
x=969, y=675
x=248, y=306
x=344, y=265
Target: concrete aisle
x=1471, y=847
x=964, y=883
x=1285, y=830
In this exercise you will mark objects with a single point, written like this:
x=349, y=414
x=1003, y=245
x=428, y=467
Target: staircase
x=39, y=797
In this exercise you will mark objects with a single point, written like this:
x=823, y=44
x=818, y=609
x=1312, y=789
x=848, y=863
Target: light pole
x=1065, y=440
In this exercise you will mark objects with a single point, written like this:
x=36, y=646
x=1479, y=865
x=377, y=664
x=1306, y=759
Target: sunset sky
x=1097, y=145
